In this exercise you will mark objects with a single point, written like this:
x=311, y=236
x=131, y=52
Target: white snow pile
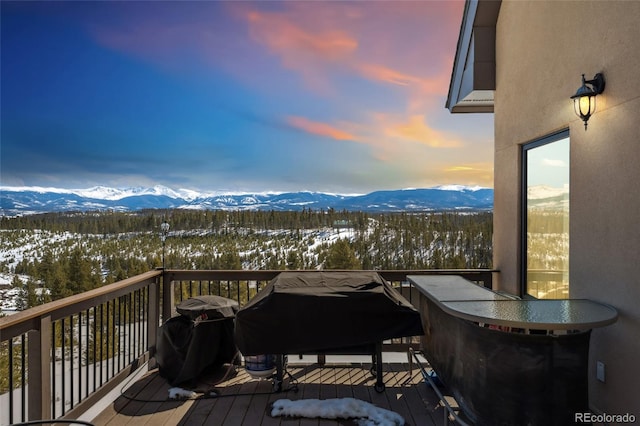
x=365, y=413
x=179, y=393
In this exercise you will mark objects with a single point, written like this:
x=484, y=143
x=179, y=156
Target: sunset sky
x=344, y=97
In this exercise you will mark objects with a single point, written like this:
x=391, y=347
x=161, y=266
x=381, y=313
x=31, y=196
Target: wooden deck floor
x=246, y=401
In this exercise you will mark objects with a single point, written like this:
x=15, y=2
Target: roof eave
x=473, y=76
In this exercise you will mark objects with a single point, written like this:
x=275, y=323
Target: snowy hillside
x=29, y=200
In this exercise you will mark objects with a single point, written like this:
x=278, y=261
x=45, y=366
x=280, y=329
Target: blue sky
x=343, y=97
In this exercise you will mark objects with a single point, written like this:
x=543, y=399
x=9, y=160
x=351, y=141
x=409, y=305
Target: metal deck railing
x=60, y=358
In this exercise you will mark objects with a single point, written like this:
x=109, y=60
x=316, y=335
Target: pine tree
x=342, y=256
x=293, y=260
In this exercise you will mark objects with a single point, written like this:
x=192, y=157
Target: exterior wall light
x=584, y=101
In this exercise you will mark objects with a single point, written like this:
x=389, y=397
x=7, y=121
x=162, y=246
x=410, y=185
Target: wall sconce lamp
x=584, y=101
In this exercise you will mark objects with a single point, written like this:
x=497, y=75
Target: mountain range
x=31, y=200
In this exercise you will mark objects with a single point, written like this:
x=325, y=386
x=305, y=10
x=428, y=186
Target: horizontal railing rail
x=242, y=285
x=63, y=356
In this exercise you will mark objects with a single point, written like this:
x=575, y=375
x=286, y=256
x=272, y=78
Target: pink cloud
x=320, y=129
x=312, y=53
x=407, y=45
x=414, y=128
x=289, y=40
x=382, y=73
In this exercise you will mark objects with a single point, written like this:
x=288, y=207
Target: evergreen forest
x=54, y=255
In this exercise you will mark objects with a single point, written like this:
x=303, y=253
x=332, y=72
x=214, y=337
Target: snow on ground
x=179, y=393
x=31, y=245
x=27, y=244
x=366, y=413
x=8, y=294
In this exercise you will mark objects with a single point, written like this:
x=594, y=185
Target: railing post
x=39, y=370
x=153, y=320
x=168, y=303
x=487, y=280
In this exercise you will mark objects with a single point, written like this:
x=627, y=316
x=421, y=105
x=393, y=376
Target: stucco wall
x=542, y=48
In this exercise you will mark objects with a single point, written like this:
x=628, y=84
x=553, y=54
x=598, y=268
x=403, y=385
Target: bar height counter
x=506, y=360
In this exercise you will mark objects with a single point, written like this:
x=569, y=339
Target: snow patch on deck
x=365, y=413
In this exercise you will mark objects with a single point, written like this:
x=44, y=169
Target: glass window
x=545, y=239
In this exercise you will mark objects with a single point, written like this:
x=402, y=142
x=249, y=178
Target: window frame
x=524, y=185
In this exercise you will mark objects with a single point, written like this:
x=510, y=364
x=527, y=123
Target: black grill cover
x=208, y=307
x=200, y=339
x=300, y=312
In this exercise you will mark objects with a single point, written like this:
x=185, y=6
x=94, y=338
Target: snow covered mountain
x=30, y=200
x=543, y=197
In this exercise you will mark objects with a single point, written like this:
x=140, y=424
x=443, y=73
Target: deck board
x=246, y=401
